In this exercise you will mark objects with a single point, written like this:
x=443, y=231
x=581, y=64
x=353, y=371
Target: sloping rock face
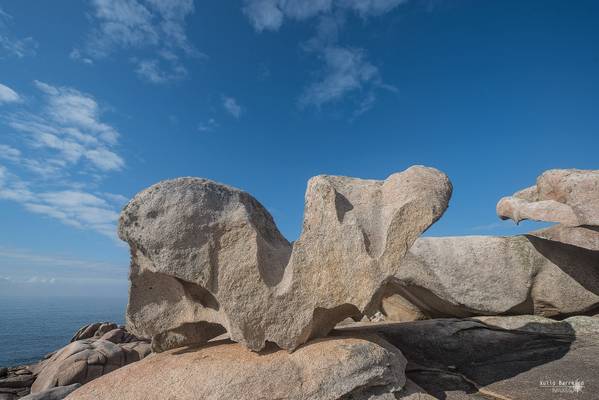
x=208, y=258
x=484, y=275
x=55, y=393
x=332, y=368
x=518, y=357
x=85, y=360
x=566, y=196
x=586, y=237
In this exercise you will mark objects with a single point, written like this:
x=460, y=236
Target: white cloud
x=264, y=14
x=65, y=143
x=13, y=46
x=155, y=25
x=68, y=130
x=345, y=70
x=270, y=14
x=208, y=126
x=232, y=107
x=41, y=280
x=74, y=208
x=78, y=209
x=371, y=7
x=76, y=55
x=157, y=71
x=25, y=256
x=7, y=95
x=10, y=153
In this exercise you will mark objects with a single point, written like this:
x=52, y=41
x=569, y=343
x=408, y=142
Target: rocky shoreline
x=358, y=308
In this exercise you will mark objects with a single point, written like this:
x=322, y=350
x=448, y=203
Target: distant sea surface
x=33, y=327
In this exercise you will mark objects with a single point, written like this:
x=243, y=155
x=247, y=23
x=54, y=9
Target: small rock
x=17, y=381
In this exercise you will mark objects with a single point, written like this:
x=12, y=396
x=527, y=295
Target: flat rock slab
x=521, y=357
x=324, y=369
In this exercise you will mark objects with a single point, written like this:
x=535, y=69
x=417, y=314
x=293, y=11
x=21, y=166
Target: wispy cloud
x=9, y=256
x=68, y=130
x=7, y=95
x=10, y=153
x=345, y=70
x=154, y=26
x=270, y=14
x=12, y=45
x=59, y=148
x=232, y=107
x=208, y=126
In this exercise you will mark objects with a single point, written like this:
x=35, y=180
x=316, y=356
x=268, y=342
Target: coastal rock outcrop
x=566, y=196
x=208, y=258
x=85, y=360
x=104, y=349
x=347, y=367
x=487, y=275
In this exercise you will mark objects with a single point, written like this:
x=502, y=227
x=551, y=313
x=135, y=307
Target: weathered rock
x=17, y=381
x=482, y=275
x=331, y=368
x=498, y=357
x=85, y=360
x=120, y=335
x=3, y=372
x=207, y=257
x=567, y=196
x=55, y=393
x=96, y=329
x=586, y=237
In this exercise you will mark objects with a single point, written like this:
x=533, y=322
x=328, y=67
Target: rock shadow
x=580, y=264
x=452, y=355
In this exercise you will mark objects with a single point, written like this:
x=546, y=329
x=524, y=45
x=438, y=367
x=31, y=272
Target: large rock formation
x=518, y=357
x=486, y=275
x=208, y=258
x=566, y=196
x=359, y=367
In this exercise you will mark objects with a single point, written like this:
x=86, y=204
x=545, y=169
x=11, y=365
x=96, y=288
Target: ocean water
x=32, y=327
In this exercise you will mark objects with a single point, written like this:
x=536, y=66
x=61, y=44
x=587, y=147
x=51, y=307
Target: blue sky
x=102, y=98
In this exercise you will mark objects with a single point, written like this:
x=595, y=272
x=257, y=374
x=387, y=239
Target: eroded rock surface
x=331, y=368
x=208, y=258
x=85, y=360
x=485, y=275
x=566, y=196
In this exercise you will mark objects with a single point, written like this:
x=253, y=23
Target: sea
x=34, y=326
